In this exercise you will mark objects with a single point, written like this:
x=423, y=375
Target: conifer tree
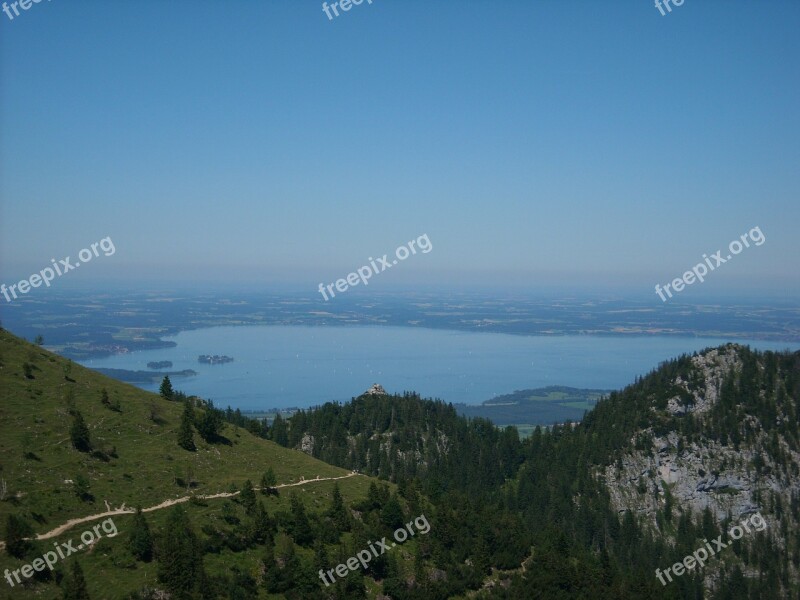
x=268, y=482
x=392, y=513
x=74, y=587
x=81, y=486
x=141, y=542
x=79, y=433
x=179, y=554
x=338, y=512
x=248, y=497
x=17, y=529
x=210, y=423
x=262, y=527
x=271, y=577
x=320, y=555
x=185, y=434
x=301, y=527
x=166, y=390
x=279, y=432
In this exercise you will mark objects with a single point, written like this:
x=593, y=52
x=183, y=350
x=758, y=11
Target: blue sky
x=538, y=142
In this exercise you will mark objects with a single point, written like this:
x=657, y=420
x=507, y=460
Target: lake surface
x=283, y=366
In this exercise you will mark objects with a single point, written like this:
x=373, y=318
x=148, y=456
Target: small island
x=216, y=359
x=160, y=364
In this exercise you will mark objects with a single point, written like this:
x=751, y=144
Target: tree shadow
x=220, y=439
x=39, y=518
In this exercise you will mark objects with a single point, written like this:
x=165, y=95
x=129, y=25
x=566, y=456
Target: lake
x=284, y=366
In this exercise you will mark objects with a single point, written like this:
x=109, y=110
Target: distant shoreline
x=164, y=344
x=155, y=317
x=129, y=376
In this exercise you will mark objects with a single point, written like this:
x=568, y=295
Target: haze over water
x=282, y=366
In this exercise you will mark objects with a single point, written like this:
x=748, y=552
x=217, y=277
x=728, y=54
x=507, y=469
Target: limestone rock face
x=699, y=473
x=307, y=444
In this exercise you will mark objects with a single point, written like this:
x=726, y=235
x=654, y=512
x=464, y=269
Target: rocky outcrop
x=307, y=444
x=713, y=366
x=696, y=476
x=695, y=472
x=375, y=390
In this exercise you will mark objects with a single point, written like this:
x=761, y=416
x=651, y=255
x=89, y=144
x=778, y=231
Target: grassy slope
x=34, y=418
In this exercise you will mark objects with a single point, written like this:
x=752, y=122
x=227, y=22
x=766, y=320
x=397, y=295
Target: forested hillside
x=585, y=529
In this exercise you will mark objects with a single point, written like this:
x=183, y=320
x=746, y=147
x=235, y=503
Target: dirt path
x=493, y=579
x=166, y=504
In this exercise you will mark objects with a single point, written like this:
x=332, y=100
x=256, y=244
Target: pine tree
x=79, y=433
x=17, y=529
x=141, y=542
x=392, y=513
x=338, y=512
x=375, y=497
x=74, y=587
x=279, y=433
x=254, y=427
x=185, y=434
x=209, y=424
x=480, y=556
x=287, y=558
x=179, y=554
x=268, y=482
x=81, y=486
x=320, y=556
x=248, y=497
x=261, y=527
x=282, y=568
x=166, y=390
x=300, y=528
x=271, y=577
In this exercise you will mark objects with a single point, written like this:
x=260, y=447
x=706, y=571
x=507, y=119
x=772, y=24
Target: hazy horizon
x=557, y=145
